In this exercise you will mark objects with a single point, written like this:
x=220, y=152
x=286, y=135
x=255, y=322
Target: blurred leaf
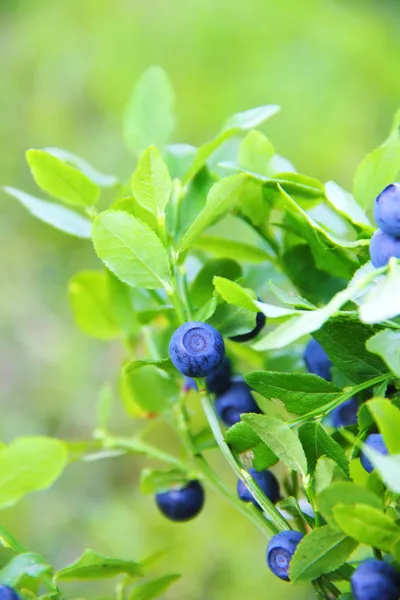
x=165, y=364
x=387, y=417
x=153, y=481
x=280, y=438
x=347, y=206
x=29, y=464
x=299, y=392
x=386, y=344
x=146, y=390
x=93, y=174
x=120, y=298
x=345, y=492
x=205, y=312
x=367, y=525
x=53, y=214
x=60, y=180
x=178, y=158
x=388, y=468
x=224, y=248
x=148, y=118
x=321, y=551
x=290, y=297
x=28, y=564
x=96, y=566
x=153, y=589
x=255, y=153
x=292, y=506
x=131, y=250
x=221, y=198
x=104, y=404
x=202, y=287
x=194, y=199
x=324, y=472
x=317, y=442
x=91, y=306
x=151, y=183
x=130, y=205
x=383, y=301
x=379, y=168
x=253, y=204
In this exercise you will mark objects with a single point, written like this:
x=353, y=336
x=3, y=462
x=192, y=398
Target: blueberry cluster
x=385, y=242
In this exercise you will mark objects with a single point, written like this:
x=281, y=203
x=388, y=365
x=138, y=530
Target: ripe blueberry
x=317, y=360
x=182, y=504
x=266, y=481
x=382, y=248
x=189, y=384
x=387, y=210
x=219, y=380
x=235, y=401
x=280, y=552
x=345, y=414
x=7, y=593
x=261, y=319
x=374, y=441
x=375, y=580
x=196, y=349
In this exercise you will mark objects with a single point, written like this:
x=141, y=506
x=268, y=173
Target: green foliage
x=95, y=566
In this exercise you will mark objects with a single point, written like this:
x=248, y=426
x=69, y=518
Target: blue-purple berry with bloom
x=375, y=442
x=317, y=360
x=280, y=551
x=8, y=593
x=183, y=503
x=236, y=401
x=375, y=580
x=196, y=349
x=345, y=414
x=266, y=480
x=382, y=248
x=387, y=210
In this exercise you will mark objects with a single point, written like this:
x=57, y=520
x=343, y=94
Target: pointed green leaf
x=387, y=417
x=27, y=564
x=367, y=525
x=93, y=174
x=255, y=153
x=151, y=183
x=386, y=344
x=96, y=566
x=225, y=248
x=153, y=588
x=317, y=442
x=383, y=301
x=345, y=492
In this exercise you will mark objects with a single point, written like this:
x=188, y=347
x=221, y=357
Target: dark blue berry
x=374, y=441
x=189, y=384
x=234, y=402
x=317, y=360
x=375, y=580
x=182, y=504
x=7, y=593
x=387, y=210
x=196, y=349
x=280, y=552
x=261, y=319
x=219, y=380
x=345, y=414
x=382, y=248
x=266, y=481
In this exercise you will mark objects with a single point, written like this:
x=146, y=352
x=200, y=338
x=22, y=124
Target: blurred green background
x=67, y=69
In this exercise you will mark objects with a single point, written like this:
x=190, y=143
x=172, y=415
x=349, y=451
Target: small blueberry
x=261, y=319
x=280, y=552
x=317, y=360
x=382, y=248
x=234, y=402
x=345, y=414
x=387, y=210
x=196, y=349
x=374, y=441
x=181, y=504
x=266, y=481
x=375, y=580
x=219, y=380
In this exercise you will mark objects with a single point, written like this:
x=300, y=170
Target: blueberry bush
x=249, y=293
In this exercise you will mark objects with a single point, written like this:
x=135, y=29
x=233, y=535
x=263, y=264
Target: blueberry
x=182, y=504
x=196, y=349
x=235, y=401
x=345, y=414
x=317, y=360
x=261, y=319
x=219, y=380
x=280, y=552
x=189, y=384
x=375, y=580
x=374, y=441
x=7, y=593
x=382, y=248
x=266, y=481
x=387, y=210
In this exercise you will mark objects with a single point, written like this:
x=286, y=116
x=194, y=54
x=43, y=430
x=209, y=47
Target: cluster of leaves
x=168, y=241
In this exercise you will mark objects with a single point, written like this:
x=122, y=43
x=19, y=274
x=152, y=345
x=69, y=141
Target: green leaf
x=316, y=442
x=91, y=306
x=388, y=468
x=146, y=390
x=164, y=364
x=121, y=300
x=131, y=250
x=179, y=157
x=202, y=287
x=93, y=174
x=379, y=168
x=148, y=118
x=27, y=564
x=386, y=344
x=151, y=183
x=241, y=438
x=321, y=551
x=280, y=438
x=255, y=153
x=29, y=464
x=232, y=320
x=153, y=481
x=153, y=588
x=387, y=417
x=345, y=492
x=300, y=392
x=344, y=342
x=383, y=301
x=292, y=506
x=367, y=525
x=221, y=198
x=224, y=248
x=96, y=566
x=53, y=214
x=104, y=404
x=346, y=205
x=60, y=180
x=324, y=472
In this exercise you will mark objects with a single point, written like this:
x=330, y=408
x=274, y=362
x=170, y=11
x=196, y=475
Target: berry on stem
x=280, y=552
x=196, y=349
x=375, y=442
x=387, y=210
x=382, y=248
x=8, y=593
x=234, y=402
x=261, y=319
x=317, y=360
x=189, y=384
x=181, y=504
x=266, y=480
x=345, y=414
x=375, y=580
x=219, y=380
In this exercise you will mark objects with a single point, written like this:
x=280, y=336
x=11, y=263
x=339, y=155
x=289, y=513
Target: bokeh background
x=67, y=68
